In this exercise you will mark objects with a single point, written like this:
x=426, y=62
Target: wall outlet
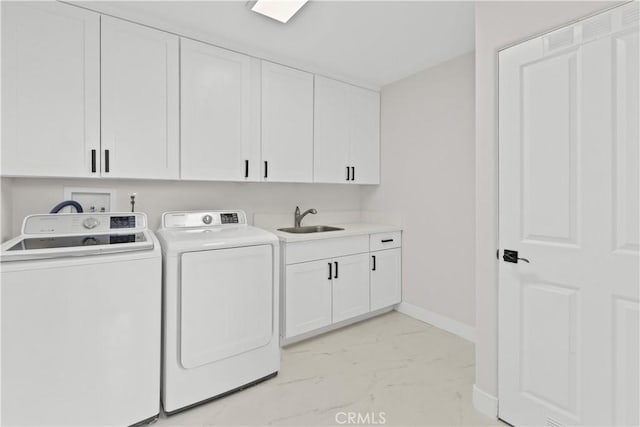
x=91, y=199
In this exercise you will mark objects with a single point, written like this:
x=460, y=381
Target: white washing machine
x=220, y=306
x=81, y=317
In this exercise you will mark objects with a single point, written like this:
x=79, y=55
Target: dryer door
x=226, y=303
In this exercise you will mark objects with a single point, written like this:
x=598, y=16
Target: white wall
x=427, y=179
x=6, y=227
x=25, y=196
x=498, y=25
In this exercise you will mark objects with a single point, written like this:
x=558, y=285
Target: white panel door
x=568, y=320
x=226, y=304
x=220, y=114
x=365, y=136
x=139, y=101
x=50, y=90
x=386, y=278
x=307, y=297
x=332, y=123
x=287, y=124
x=350, y=286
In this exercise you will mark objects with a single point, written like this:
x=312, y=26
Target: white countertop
x=351, y=229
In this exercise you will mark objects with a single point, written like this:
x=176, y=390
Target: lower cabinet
x=327, y=291
x=307, y=297
x=318, y=293
x=386, y=276
x=350, y=287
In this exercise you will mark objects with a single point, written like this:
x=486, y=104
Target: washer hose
x=57, y=208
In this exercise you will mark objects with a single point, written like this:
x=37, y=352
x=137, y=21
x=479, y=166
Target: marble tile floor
x=391, y=370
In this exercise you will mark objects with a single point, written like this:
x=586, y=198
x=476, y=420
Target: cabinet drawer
x=327, y=248
x=385, y=240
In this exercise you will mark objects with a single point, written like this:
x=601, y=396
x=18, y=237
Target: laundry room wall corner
x=427, y=138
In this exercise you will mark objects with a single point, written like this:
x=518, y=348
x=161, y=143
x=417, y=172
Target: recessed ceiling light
x=280, y=10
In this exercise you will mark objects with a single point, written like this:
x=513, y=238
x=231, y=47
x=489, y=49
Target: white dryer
x=81, y=318
x=220, y=306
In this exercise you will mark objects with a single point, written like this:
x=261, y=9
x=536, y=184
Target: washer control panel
x=203, y=219
x=81, y=223
x=229, y=218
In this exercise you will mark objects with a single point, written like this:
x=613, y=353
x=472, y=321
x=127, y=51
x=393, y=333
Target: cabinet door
x=365, y=136
x=350, y=286
x=386, y=278
x=331, y=131
x=50, y=89
x=139, y=101
x=307, y=297
x=219, y=112
x=287, y=124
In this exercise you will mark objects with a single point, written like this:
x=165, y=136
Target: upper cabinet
x=287, y=124
x=346, y=133
x=219, y=113
x=50, y=90
x=331, y=131
x=86, y=95
x=139, y=76
x=364, y=136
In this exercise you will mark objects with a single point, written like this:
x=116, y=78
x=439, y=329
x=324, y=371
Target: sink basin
x=310, y=229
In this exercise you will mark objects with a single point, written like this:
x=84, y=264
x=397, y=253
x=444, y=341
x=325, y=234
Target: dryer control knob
x=207, y=219
x=90, y=223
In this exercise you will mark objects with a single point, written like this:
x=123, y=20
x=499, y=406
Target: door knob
x=512, y=256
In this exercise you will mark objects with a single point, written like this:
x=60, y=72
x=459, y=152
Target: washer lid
x=25, y=248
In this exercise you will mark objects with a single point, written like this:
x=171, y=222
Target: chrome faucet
x=298, y=217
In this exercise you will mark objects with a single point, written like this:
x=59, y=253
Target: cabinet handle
x=330, y=272
x=93, y=161
x=386, y=240
x=353, y=173
x=374, y=263
x=266, y=168
x=336, y=263
x=348, y=175
x=106, y=160
x=246, y=168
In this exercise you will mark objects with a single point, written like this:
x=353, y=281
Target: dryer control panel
x=203, y=219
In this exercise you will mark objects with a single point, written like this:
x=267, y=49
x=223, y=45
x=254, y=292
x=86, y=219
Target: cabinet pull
x=330, y=272
x=374, y=263
x=106, y=160
x=348, y=175
x=336, y=263
x=386, y=240
x=353, y=173
x=246, y=168
x=266, y=168
x=93, y=161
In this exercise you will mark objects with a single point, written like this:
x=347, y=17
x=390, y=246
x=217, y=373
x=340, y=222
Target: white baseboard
x=484, y=402
x=458, y=328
